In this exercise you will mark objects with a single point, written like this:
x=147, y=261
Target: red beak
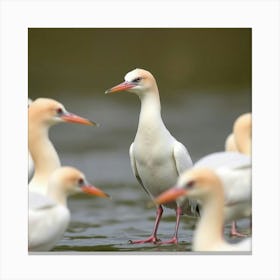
x=69, y=117
x=170, y=195
x=121, y=87
x=89, y=189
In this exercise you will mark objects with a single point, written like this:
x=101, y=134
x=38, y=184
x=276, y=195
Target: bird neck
x=210, y=227
x=43, y=153
x=230, y=144
x=243, y=140
x=150, y=114
x=57, y=194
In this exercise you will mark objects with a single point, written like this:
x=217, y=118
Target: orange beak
x=170, y=195
x=121, y=87
x=69, y=117
x=89, y=189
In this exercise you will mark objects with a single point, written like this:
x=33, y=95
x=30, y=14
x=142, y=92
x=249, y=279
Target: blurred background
x=204, y=79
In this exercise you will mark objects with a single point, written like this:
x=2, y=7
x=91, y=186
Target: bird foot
x=151, y=239
x=173, y=240
x=237, y=234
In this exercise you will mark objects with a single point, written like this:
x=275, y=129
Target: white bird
x=156, y=157
x=48, y=215
x=42, y=114
x=241, y=138
x=240, y=141
x=30, y=160
x=208, y=187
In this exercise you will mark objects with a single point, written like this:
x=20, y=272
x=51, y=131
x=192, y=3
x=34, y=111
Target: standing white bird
x=48, y=215
x=42, y=114
x=209, y=188
x=240, y=141
x=156, y=157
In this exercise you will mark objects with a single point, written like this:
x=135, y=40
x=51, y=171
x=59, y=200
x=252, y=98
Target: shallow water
x=200, y=120
x=100, y=225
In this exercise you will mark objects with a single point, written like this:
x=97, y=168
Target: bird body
x=154, y=154
x=234, y=170
x=47, y=225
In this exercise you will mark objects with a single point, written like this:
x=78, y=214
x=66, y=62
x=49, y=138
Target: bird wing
x=134, y=169
x=232, y=160
x=183, y=161
x=181, y=157
x=234, y=169
x=237, y=184
x=39, y=201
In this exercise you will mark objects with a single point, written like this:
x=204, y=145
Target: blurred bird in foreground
x=48, y=214
x=208, y=187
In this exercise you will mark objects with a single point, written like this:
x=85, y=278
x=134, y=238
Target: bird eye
x=136, y=80
x=190, y=184
x=59, y=111
x=81, y=182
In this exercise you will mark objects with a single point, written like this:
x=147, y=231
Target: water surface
x=200, y=120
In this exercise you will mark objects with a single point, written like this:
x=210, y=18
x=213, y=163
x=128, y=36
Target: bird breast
x=155, y=166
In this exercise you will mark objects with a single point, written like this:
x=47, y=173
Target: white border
x=262, y=16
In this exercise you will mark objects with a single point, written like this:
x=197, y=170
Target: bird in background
x=43, y=113
x=240, y=140
x=157, y=158
x=48, y=215
x=208, y=187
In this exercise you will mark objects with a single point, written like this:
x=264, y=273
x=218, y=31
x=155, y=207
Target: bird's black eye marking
x=59, y=111
x=190, y=184
x=136, y=80
x=81, y=182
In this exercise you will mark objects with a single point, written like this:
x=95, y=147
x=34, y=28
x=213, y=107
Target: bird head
x=137, y=81
x=198, y=184
x=69, y=181
x=50, y=112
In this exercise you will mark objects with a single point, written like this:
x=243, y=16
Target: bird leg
x=153, y=238
x=174, y=239
x=234, y=231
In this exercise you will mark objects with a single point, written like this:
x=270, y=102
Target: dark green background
x=91, y=60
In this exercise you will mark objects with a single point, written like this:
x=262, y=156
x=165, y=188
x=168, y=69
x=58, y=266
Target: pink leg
x=153, y=238
x=234, y=231
x=174, y=239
